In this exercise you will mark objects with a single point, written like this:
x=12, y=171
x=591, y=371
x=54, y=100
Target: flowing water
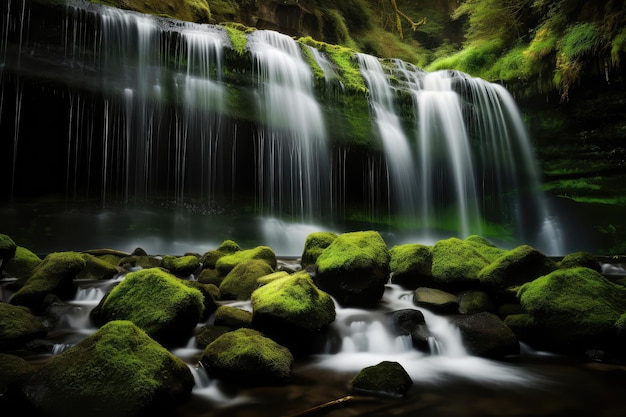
x=145, y=114
x=447, y=382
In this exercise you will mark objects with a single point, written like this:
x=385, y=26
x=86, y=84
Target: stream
x=448, y=382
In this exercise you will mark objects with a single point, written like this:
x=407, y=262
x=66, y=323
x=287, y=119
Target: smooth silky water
x=447, y=382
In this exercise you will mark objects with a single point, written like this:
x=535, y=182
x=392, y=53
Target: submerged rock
x=486, y=335
x=354, y=268
x=157, y=302
x=387, y=379
x=117, y=371
x=246, y=357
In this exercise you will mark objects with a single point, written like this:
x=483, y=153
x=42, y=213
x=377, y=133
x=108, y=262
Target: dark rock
x=437, y=301
x=387, y=379
x=486, y=335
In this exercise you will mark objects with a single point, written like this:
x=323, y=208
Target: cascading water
x=144, y=109
x=292, y=159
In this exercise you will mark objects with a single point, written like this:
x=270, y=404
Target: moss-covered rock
x=292, y=310
x=55, y=275
x=458, y=263
x=580, y=258
x=209, y=259
x=515, y=267
x=241, y=281
x=272, y=277
x=226, y=263
x=142, y=261
x=96, y=268
x=411, y=265
x=232, y=317
x=314, y=244
x=246, y=357
x=209, y=293
x=157, y=302
x=117, y=371
x=438, y=301
x=486, y=335
x=354, y=268
x=181, y=266
x=18, y=326
x=576, y=307
x=22, y=264
x=7, y=250
x=387, y=379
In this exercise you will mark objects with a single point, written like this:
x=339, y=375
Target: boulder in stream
x=387, y=379
x=117, y=371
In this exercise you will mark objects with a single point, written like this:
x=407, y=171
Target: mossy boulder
x=272, y=277
x=292, y=310
x=141, y=261
x=157, y=302
x=241, y=281
x=181, y=266
x=232, y=317
x=575, y=307
x=22, y=264
x=209, y=293
x=7, y=250
x=386, y=379
x=209, y=259
x=117, y=371
x=411, y=265
x=437, y=301
x=209, y=276
x=314, y=244
x=515, y=267
x=457, y=263
x=486, y=335
x=580, y=258
x=226, y=263
x=96, y=268
x=55, y=275
x=18, y=326
x=354, y=268
x=247, y=357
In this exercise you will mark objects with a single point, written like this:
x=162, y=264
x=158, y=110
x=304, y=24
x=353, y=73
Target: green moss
x=347, y=67
x=153, y=298
x=574, y=303
x=96, y=268
x=457, y=263
x=517, y=266
x=188, y=10
x=411, y=258
x=580, y=39
x=271, y=277
x=237, y=36
x=118, y=370
x=241, y=281
x=314, y=245
x=226, y=263
x=14, y=371
x=7, y=247
x=355, y=250
x=580, y=258
x=181, y=266
x=22, y=264
x=54, y=275
x=475, y=59
x=232, y=317
x=386, y=379
x=295, y=299
x=245, y=356
x=18, y=326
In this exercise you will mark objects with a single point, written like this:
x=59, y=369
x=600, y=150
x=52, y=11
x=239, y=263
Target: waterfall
x=399, y=160
x=144, y=112
x=292, y=157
